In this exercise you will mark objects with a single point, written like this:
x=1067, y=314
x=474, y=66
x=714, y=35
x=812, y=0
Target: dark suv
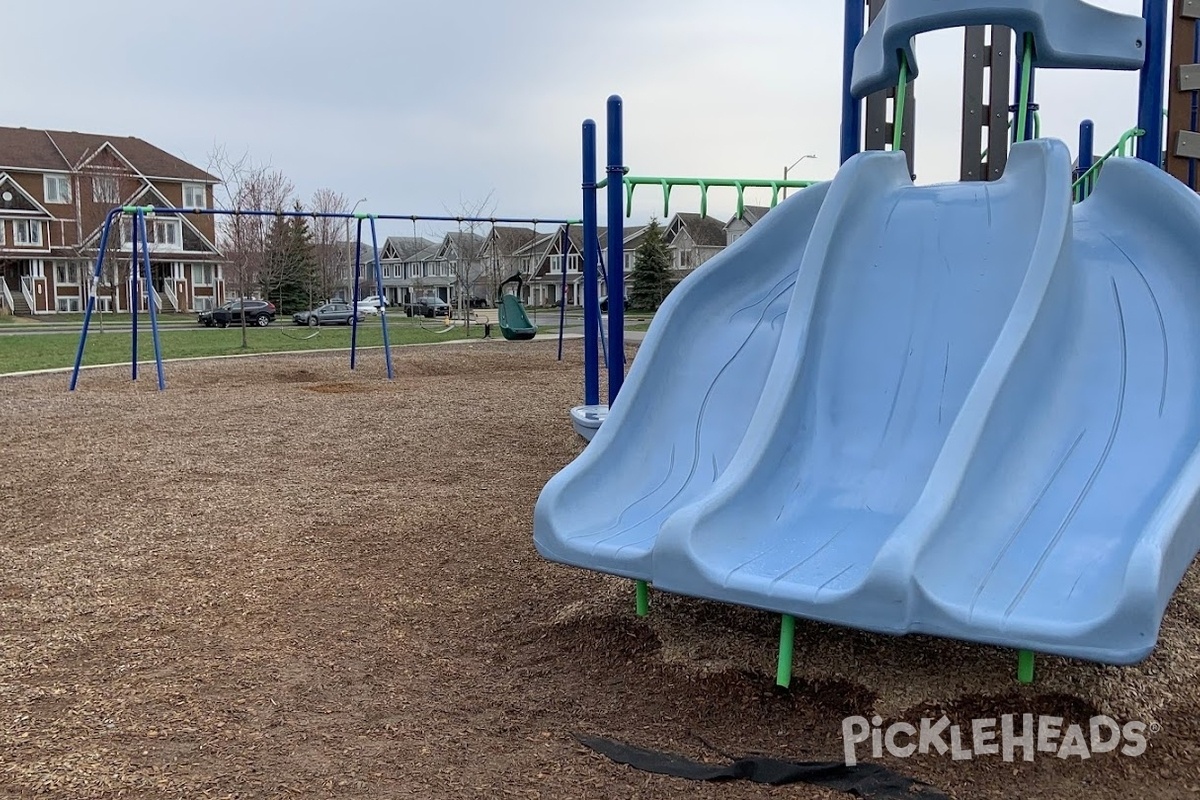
x=427, y=307
x=256, y=312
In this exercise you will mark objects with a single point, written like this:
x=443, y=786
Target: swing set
x=140, y=271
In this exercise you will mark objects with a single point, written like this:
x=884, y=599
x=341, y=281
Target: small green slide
x=514, y=322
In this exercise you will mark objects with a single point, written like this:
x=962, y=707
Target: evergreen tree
x=303, y=266
x=290, y=268
x=651, y=271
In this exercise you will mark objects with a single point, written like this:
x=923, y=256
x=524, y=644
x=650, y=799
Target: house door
x=11, y=273
x=159, y=275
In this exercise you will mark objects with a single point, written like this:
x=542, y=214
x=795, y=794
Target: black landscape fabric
x=872, y=781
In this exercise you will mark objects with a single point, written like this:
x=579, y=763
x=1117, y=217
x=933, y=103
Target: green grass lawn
x=20, y=352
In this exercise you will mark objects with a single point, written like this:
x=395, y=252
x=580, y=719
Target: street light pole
x=791, y=167
x=349, y=256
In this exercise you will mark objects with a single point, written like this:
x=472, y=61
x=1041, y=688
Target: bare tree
x=326, y=233
x=247, y=185
x=467, y=267
x=103, y=182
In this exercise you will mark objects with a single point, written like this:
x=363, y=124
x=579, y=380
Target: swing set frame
x=140, y=261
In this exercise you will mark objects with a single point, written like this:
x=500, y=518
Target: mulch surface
x=281, y=578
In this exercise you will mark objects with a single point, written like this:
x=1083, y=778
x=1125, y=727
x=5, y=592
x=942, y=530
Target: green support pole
x=1026, y=77
x=898, y=115
x=787, y=637
x=1025, y=667
x=643, y=598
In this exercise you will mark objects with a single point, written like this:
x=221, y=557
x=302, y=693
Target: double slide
x=970, y=410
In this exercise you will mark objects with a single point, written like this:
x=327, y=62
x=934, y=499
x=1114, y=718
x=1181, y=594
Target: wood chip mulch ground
x=281, y=578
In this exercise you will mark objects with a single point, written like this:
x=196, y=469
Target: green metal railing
x=704, y=184
x=1125, y=147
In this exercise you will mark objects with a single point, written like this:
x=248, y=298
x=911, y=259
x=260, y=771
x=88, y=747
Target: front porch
x=47, y=286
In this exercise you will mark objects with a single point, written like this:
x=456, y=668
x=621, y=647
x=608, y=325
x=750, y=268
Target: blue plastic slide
x=970, y=410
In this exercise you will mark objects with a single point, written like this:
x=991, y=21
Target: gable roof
x=750, y=215
x=464, y=244
x=404, y=247
x=704, y=230
x=38, y=149
x=509, y=240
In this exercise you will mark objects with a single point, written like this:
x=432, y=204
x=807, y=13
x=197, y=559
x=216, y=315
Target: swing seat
x=514, y=322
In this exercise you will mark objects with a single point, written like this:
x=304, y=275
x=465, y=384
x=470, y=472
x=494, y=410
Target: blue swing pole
x=387, y=347
x=591, y=285
x=565, y=249
x=135, y=295
x=91, y=302
x=354, y=296
x=146, y=275
x=616, y=253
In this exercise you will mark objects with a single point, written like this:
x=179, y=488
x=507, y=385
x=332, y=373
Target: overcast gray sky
x=419, y=106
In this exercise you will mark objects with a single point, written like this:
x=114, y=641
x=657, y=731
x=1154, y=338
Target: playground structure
x=967, y=410
x=140, y=271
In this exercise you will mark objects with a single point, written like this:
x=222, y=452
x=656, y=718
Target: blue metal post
x=135, y=294
x=616, y=249
x=591, y=276
x=1153, y=82
x=565, y=246
x=91, y=303
x=387, y=347
x=856, y=22
x=354, y=295
x=141, y=223
x=1087, y=145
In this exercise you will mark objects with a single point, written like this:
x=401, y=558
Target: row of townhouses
x=56, y=188
x=416, y=267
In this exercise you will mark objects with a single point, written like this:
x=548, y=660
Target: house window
x=202, y=274
x=68, y=304
x=66, y=273
x=104, y=304
x=202, y=303
x=58, y=189
x=27, y=232
x=165, y=232
x=106, y=189
x=193, y=195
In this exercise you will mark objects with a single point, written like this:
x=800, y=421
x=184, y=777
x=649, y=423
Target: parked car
x=327, y=314
x=374, y=301
x=427, y=307
x=256, y=312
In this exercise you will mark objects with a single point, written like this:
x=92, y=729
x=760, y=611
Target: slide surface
x=688, y=397
x=977, y=415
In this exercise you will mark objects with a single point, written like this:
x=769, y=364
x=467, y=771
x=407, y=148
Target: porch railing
x=172, y=298
x=27, y=293
x=154, y=295
x=7, y=295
